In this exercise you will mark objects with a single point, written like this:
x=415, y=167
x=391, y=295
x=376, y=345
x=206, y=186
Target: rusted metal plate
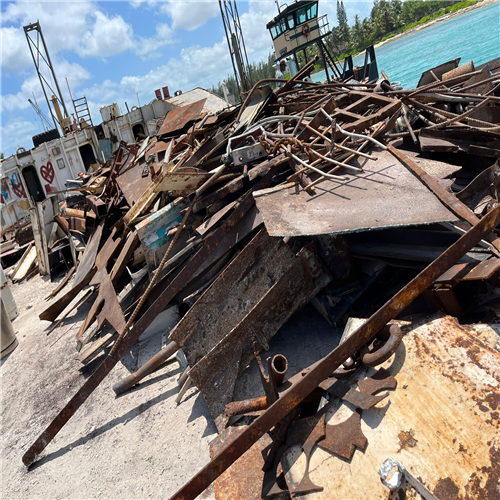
x=106, y=305
x=243, y=480
x=441, y=423
x=343, y=438
x=427, y=77
x=178, y=118
x=381, y=380
x=471, y=141
x=133, y=184
x=215, y=374
x=232, y=296
x=382, y=196
x=89, y=255
x=183, y=181
x=483, y=271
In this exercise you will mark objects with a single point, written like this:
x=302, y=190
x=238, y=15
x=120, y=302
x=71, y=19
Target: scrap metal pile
x=224, y=225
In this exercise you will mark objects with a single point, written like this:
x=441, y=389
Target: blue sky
x=109, y=51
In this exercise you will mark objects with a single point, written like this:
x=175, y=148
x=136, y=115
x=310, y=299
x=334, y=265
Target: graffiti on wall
x=47, y=172
x=4, y=190
x=17, y=186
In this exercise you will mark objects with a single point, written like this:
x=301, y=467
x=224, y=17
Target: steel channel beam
x=318, y=372
x=211, y=244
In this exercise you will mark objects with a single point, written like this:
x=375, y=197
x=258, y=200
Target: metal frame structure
x=236, y=43
x=40, y=52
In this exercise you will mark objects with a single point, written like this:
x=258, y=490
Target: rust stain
x=407, y=440
x=485, y=484
x=446, y=489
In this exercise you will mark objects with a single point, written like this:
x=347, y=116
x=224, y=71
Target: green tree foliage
x=258, y=71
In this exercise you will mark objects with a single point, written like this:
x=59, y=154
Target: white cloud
x=108, y=36
x=190, y=15
x=184, y=14
x=80, y=27
x=15, y=52
x=31, y=86
x=18, y=133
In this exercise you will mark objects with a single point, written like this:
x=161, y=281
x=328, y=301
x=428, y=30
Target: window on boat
x=301, y=16
x=278, y=29
x=312, y=10
x=291, y=21
x=283, y=25
x=273, y=31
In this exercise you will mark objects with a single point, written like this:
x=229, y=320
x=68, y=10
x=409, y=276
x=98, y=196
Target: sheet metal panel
x=384, y=195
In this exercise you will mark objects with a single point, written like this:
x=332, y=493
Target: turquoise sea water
x=471, y=36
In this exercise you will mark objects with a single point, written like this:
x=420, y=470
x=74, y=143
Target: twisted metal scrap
x=297, y=146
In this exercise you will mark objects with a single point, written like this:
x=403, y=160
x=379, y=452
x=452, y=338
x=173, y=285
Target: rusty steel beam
x=199, y=259
x=447, y=199
x=318, y=372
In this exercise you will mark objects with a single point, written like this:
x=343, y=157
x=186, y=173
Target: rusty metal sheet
x=483, y=271
x=442, y=421
x=470, y=141
x=183, y=181
x=232, y=296
x=382, y=196
x=215, y=374
x=178, y=118
x=89, y=255
x=132, y=184
x=381, y=380
x=106, y=305
x=439, y=70
x=243, y=480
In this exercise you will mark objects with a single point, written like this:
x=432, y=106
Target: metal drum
x=8, y=340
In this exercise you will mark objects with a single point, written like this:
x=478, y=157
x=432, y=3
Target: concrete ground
x=139, y=445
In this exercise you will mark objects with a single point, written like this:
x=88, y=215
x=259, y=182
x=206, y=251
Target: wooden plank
x=24, y=264
x=63, y=282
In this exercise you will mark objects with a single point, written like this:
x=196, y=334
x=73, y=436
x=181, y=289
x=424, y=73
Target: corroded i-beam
x=321, y=370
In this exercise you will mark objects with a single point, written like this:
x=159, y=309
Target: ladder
x=82, y=112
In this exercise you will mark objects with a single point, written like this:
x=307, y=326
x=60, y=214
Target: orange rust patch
x=407, y=440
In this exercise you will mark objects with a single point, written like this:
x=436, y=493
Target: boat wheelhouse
x=296, y=26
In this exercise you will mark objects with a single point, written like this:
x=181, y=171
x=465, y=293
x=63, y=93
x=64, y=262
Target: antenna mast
x=234, y=36
x=39, y=51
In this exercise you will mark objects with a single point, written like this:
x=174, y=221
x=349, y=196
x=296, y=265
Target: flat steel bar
x=318, y=372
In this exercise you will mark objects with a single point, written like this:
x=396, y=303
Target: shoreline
x=445, y=17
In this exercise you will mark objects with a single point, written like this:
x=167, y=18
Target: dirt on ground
x=138, y=445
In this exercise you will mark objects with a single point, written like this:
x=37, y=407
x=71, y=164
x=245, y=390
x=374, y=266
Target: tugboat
x=298, y=26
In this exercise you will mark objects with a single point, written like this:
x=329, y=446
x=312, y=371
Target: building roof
x=212, y=104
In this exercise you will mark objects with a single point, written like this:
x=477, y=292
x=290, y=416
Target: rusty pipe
x=155, y=362
x=279, y=366
x=247, y=406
